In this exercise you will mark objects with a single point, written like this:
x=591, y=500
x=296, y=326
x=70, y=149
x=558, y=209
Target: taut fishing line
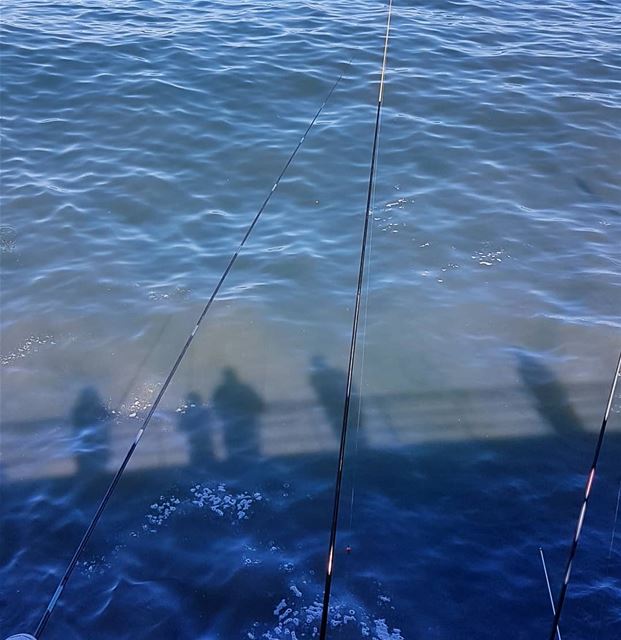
x=614, y=526
x=609, y=558
x=358, y=424
x=365, y=315
x=143, y=362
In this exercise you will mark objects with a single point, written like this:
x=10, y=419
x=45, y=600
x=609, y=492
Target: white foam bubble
x=221, y=502
x=300, y=621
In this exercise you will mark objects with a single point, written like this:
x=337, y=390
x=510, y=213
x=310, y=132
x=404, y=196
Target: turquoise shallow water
x=139, y=139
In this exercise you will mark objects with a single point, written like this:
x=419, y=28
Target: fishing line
x=607, y=572
x=365, y=316
x=143, y=362
x=352, y=349
x=117, y=476
x=614, y=527
x=545, y=573
x=587, y=492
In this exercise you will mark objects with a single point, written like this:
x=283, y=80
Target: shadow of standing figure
x=329, y=386
x=238, y=407
x=551, y=399
x=196, y=423
x=90, y=418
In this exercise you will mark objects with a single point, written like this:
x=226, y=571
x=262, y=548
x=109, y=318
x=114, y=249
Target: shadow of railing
x=56, y=448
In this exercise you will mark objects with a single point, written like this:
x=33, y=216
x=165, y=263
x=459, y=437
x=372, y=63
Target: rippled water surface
x=139, y=140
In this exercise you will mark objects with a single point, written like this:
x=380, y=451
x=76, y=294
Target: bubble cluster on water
x=162, y=511
x=387, y=221
x=140, y=403
x=28, y=346
x=488, y=258
x=178, y=293
x=223, y=503
x=94, y=566
x=388, y=224
x=220, y=501
x=400, y=202
x=450, y=265
x=298, y=620
x=249, y=560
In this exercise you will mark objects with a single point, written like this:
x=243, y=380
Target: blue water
x=139, y=140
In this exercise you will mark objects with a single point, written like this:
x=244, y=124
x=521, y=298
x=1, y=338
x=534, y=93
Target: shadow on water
x=197, y=424
x=588, y=189
x=91, y=427
x=238, y=407
x=328, y=384
x=551, y=399
x=229, y=572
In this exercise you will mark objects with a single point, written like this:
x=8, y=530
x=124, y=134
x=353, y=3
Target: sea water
x=139, y=140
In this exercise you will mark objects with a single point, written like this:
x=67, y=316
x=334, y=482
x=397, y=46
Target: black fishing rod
x=587, y=492
x=352, y=348
x=117, y=476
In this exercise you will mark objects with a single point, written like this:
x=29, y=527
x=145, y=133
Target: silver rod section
x=545, y=573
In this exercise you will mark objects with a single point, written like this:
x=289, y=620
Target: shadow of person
x=238, y=407
x=329, y=386
x=551, y=399
x=90, y=418
x=196, y=423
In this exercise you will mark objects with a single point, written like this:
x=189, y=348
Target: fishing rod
x=117, y=476
x=352, y=348
x=547, y=577
x=585, y=500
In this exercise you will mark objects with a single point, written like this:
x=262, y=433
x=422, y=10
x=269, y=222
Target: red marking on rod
x=590, y=482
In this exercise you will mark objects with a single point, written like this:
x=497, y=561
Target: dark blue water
x=139, y=139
